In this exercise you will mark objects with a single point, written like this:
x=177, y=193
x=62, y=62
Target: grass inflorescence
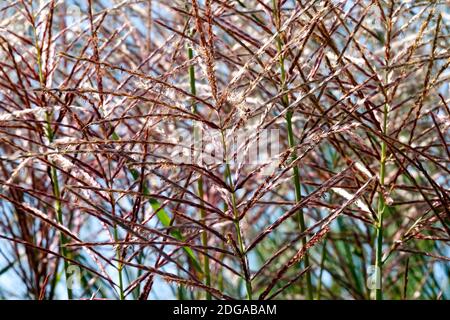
x=224, y=149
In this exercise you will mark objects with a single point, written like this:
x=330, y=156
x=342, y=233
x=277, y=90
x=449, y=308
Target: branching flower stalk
x=292, y=144
x=162, y=215
x=382, y=169
x=92, y=101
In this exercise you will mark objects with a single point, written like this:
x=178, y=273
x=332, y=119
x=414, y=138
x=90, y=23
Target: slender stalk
x=119, y=265
x=349, y=257
x=291, y=141
x=380, y=213
x=53, y=173
x=240, y=241
x=59, y=216
x=382, y=169
x=248, y=283
x=405, y=280
x=193, y=89
x=322, y=264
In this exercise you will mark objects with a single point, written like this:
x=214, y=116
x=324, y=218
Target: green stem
x=349, y=257
x=248, y=283
x=291, y=141
x=322, y=265
x=204, y=240
x=380, y=214
x=200, y=179
x=53, y=173
x=59, y=216
x=119, y=265
x=405, y=280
